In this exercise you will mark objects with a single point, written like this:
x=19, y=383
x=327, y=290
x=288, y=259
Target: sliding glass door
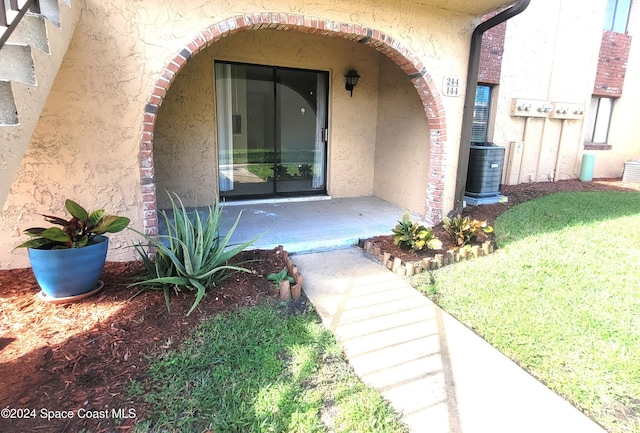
x=271, y=131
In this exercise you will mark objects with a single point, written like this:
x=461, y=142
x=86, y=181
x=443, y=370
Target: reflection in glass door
x=271, y=131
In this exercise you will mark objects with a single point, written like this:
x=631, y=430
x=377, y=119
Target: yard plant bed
x=84, y=355
x=516, y=194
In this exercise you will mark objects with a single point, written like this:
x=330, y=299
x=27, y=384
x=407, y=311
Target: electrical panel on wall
x=567, y=110
x=514, y=161
x=530, y=107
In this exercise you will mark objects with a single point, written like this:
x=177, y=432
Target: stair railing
x=11, y=14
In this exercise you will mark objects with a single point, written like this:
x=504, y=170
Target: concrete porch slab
x=312, y=225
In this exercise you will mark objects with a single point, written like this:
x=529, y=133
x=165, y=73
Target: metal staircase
x=34, y=37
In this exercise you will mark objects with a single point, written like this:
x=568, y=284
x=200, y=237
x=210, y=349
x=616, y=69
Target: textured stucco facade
x=20, y=102
x=131, y=111
x=551, y=54
x=400, y=152
x=185, y=141
x=95, y=140
x=372, y=143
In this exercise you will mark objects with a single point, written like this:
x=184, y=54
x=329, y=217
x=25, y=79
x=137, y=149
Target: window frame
x=598, y=122
x=483, y=118
x=617, y=15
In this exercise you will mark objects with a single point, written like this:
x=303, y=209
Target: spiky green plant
x=465, y=230
x=415, y=236
x=193, y=256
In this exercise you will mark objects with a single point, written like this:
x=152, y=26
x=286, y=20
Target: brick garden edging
x=287, y=291
x=404, y=268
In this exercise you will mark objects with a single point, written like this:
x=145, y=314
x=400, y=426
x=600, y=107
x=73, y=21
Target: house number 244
x=451, y=86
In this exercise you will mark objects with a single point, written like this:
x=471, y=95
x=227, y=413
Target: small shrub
x=465, y=231
x=276, y=277
x=410, y=235
x=196, y=256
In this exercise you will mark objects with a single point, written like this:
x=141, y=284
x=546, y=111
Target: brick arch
x=406, y=60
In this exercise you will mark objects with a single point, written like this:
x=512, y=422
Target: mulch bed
x=81, y=357
x=84, y=355
x=516, y=194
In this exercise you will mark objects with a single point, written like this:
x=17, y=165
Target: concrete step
x=16, y=64
x=50, y=9
x=8, y=111
x=32, y=31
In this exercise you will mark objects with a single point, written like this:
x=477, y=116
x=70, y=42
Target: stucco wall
x=401, y=159
x=541, y=62
x=624, y=132
x=86, y=145
x=551, y=53
x=185, y=142
x=29, y=100
x=184, y=146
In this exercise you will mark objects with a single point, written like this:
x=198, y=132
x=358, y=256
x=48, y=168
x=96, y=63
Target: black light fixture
x=352, y=80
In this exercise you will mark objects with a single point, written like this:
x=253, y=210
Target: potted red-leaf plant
x=68, y=258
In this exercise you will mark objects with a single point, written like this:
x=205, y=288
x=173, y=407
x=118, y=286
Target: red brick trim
x=612, y=64
x=405, y=59
x=597, y=146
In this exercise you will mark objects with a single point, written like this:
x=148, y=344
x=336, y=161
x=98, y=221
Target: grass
x=260, y=370
x=562, y=298
x=265, y=171
x=248, y=156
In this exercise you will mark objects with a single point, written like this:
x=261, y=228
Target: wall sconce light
x=352, y=80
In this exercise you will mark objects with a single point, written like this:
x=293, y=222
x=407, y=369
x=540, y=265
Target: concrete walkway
x=433, y=370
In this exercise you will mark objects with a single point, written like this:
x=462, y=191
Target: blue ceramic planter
x=70, y=272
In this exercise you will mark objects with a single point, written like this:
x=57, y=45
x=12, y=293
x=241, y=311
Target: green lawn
x=260, y=370
x=265, y=171
x=562, y=298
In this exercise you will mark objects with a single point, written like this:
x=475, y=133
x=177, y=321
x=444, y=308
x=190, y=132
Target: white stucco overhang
x=475, y=7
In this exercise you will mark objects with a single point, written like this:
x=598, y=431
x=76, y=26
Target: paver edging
x=288, y=291
x=408, y=268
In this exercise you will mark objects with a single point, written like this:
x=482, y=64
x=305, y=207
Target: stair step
x=16, y=64
x=8, y=111
x=31, y=31
x=51, y=10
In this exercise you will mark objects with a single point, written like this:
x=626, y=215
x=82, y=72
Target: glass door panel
x=301, y=120
x=246, y=136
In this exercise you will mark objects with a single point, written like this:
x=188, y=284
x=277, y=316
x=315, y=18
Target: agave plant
x=410, y=235
x=465, y=230
x=76, y=232
x=193, y=255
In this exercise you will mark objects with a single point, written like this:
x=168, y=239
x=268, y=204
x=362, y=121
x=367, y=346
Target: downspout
x=470, y=95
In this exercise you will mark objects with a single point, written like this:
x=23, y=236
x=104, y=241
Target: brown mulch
x=81, y=357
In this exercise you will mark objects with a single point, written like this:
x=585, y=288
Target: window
x=598, y=120
x=481, y=114
x=617, y=15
